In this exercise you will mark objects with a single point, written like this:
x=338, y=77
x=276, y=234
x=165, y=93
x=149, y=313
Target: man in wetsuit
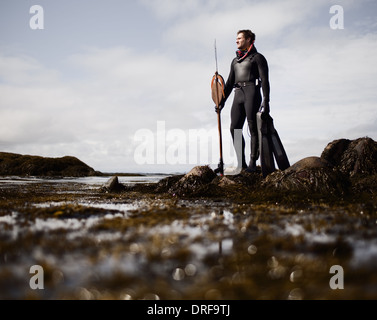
x=248, y=73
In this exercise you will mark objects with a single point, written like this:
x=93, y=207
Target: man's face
x=242, y=43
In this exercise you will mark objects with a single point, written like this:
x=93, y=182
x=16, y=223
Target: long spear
x=217, y=87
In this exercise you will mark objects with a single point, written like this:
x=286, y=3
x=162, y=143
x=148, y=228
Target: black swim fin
x=265, y=146
x=277, y=146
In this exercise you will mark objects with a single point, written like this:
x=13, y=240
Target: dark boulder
x=356, y=157
x=311, y=175
x=165, y=184
x=195, y=183
x=113, y=185
x=309, y=163
x=334, y=151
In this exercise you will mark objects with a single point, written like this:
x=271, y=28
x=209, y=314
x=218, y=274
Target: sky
x=125, y=85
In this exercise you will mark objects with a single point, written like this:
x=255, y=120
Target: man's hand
x=221, y=106
x=265, y=107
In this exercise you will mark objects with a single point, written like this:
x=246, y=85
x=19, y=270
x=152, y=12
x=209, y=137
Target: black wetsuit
x=247, y=75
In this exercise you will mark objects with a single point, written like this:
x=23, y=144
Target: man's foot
x=252, y=167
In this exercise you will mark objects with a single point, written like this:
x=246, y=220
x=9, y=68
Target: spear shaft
x=220, y=168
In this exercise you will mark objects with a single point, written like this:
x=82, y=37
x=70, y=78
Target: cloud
x=117, y=92
x=148, y=85
x=194, y=23
x=32, y=99
x=93, y=102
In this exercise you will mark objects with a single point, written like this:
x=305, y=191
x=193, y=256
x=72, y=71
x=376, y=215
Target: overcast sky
x=125, y=85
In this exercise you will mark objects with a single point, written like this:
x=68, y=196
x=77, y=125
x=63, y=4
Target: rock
x=225, y=181
x=166, y=183
x=353, y=157
x=113, y=185
x=334, y=151
x=204, y=173
x=325, y=181
x=311, y=175
x=309, y=163
x=360, y=158
x=193, y=183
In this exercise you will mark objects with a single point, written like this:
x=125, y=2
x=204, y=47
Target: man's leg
x=254, y=145
x=238, y=116
x=252, y=104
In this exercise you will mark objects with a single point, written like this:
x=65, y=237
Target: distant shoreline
x=14, y=164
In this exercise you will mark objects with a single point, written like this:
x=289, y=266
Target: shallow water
x=90, y=181
x=96, y=245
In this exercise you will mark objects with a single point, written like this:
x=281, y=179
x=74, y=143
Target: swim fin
x=265, y=146
x=277, y=146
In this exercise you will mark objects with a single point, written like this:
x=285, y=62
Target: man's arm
x=263, y=74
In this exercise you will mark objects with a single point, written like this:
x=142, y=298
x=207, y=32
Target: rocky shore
x=194, y=236
x=345, y=171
